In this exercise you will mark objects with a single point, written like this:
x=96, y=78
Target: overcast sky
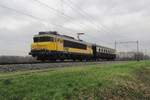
x=102, y=21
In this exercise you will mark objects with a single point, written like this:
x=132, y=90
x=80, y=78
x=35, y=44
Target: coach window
x=100, y=49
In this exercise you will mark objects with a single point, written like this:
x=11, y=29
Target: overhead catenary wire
x=62, y=13
x=46, y=5
x=35, y=18
x=90, y=18
x=31, y=16
x=79, y=11
x=83, y=13
x=69, y=18
x=22, y=13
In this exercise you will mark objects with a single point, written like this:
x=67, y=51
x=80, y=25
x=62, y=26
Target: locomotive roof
x=64, y=37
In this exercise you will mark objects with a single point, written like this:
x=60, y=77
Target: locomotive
x=53, y=46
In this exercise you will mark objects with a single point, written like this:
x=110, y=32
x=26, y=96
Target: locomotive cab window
x=43, y=39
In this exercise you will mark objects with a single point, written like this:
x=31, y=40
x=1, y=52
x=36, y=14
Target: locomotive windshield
x=43, y=39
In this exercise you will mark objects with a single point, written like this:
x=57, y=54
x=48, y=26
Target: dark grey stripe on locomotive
x=71, y=44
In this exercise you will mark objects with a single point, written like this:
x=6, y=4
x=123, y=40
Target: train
x=53, y=46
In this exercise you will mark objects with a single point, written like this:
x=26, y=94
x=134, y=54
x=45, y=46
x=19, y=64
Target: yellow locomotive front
x=43, y=42
x=42, y=45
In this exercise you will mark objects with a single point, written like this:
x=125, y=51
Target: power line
x=62, y=13
x=83, y=14
x=17, y=11
x=86, y=14
x=65, y=15
x=22, y=13
x=78, y=11
x=95, y=38
x=130, y=42
x=29, y=15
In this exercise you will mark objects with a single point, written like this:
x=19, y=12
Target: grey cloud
x=124, y=20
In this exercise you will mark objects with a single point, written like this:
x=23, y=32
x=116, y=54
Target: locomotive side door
x=59, y=43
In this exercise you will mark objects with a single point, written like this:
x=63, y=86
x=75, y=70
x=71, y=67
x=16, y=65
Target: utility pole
x=138, y=51
x=115, y=45
x=127, y=42
x=78, y=35
x=145, y=51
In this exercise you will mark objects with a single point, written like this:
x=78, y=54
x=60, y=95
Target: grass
x=130, y=81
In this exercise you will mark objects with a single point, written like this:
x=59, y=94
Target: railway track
x=12, y=67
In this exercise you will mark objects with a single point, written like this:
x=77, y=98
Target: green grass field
x=129, y=81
